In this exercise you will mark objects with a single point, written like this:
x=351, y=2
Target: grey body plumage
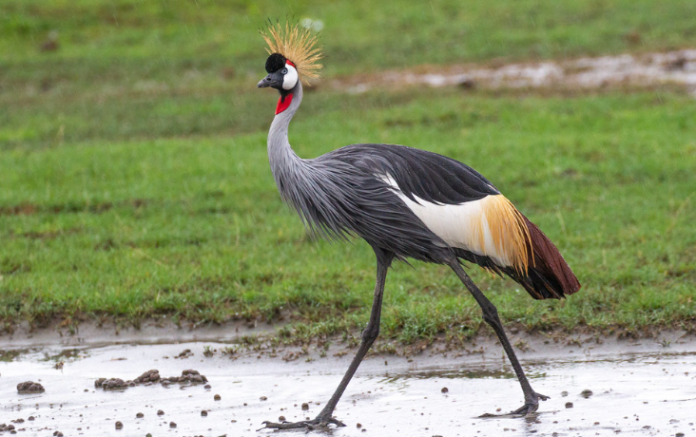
x=343, y=193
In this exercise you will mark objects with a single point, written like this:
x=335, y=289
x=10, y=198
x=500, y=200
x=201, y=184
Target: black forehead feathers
x=275, y=62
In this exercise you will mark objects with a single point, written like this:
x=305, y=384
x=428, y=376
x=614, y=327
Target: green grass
x=134, y=181
x=359, y=34
x=188, y=67
x=195, y=229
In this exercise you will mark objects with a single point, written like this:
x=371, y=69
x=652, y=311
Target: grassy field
x=134, y=180
x=127, y=69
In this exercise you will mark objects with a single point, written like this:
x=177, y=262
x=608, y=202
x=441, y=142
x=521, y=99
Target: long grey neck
x=280, y=155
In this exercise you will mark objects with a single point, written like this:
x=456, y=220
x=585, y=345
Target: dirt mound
x=30, y=387
x=189, y=376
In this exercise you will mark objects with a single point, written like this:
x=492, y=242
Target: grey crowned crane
x=406, y=203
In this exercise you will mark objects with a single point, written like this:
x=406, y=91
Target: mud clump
x=112, y=384
x=8, y=428
x=444, y=390
x=29, y=387
x=184, y=354
x=160, y=413
x=172, y=425
x=569, y=405
x=187, y=376
x=305, y=406
x=586, y=393
x=150, y=377
x=119, y=425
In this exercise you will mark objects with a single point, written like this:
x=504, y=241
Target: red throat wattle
x=283, y=103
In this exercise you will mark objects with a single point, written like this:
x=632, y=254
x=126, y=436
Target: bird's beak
x=273, y=80
x=266, y=82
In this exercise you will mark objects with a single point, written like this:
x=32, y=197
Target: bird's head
x=293, y=59
x=282, y=74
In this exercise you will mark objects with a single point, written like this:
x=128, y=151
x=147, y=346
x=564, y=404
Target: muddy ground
x=638, y=387
x=640, y=70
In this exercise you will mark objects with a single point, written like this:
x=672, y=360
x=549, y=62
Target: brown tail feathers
x=548, y=275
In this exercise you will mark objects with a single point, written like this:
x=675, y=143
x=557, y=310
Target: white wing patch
x=466, y=226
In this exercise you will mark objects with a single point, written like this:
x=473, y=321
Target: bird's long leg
x=369, y=335
x=490, y=316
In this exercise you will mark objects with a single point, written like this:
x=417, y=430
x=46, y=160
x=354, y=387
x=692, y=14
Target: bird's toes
x=336, y=422
x=285, y=425
x=310, y=425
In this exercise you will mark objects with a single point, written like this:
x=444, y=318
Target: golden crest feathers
x=298, y=45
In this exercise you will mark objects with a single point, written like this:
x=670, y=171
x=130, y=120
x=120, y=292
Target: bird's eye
x=285, y=71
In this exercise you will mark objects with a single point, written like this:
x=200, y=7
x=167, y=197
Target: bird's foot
x=529, y=407
x=310, y=425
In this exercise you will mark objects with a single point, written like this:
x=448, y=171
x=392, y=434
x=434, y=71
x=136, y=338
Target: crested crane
x=406, y=203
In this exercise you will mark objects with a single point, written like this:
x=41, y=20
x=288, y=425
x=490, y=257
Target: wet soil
x=28, y=387
x=647, y=70
x=188, y=376
x=643, y=387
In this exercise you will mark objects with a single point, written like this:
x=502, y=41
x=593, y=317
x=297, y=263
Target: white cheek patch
x=290, y=78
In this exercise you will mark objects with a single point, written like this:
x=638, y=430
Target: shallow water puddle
x=639, y=394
